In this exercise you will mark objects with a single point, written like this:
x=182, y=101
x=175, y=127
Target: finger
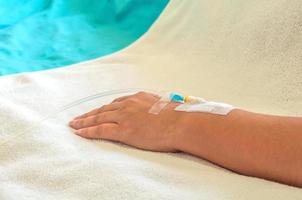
x=105, y=117
x=107, y=131
x=104, y=108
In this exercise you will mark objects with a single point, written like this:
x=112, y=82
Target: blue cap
x=176, y=97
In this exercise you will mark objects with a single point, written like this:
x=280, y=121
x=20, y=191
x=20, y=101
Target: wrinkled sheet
x=244, y=53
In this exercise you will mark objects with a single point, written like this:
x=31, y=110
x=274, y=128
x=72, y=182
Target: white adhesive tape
x=208, y=107
x=159, y=105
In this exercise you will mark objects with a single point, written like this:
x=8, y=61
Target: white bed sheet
x=244, y=53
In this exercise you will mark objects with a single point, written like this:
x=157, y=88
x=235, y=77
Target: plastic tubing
x=75, y=103
x=100, y=95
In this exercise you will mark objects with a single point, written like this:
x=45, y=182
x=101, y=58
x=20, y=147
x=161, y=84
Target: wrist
x=184, y=132
x=175, y=124
x=194, y=131
x=188, y=127
x=201, y=133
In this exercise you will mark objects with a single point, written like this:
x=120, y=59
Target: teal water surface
x=44, y=34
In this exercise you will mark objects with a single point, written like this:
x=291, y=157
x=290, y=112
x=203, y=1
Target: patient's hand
x=252, y=144
x=127, y=120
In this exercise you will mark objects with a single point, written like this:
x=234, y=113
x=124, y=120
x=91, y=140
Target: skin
x=251, y=144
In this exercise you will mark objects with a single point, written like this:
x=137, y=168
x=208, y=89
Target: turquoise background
x=44, y=34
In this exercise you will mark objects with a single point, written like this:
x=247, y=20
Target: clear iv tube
x=78, y=102
x=100, y=95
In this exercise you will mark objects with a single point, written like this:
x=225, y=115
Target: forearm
x=251, y=144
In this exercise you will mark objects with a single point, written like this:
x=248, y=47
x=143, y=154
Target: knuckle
x=122, y=113
x=130, y=101
x=96, y=119
x=100, y=130
x=126, y=112
x=103, y=116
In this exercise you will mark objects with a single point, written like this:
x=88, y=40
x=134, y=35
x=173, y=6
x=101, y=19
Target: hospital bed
x=247, y=53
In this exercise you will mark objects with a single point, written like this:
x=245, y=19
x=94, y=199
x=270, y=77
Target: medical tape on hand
x=191, y=104
x=159, y=105
x=207, y=106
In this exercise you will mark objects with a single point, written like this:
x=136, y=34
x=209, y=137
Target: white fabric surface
x=246, y=53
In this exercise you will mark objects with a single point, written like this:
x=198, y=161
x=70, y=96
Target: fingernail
x=78, y=132
x=81, y=131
